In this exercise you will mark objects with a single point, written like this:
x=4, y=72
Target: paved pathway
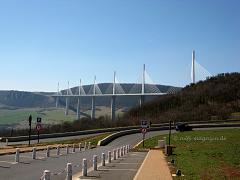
x=154, y=167
x=123, y=168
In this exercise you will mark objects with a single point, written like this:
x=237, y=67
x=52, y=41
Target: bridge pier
x=78, y=109
x=113, y=108
x=141, y=100
x=67, y=106
x=57, y=101
x=93, y=107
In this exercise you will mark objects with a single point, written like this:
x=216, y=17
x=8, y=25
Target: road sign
x=144, y=130
x=39, y=120
x=144, y=123
x=38, y=127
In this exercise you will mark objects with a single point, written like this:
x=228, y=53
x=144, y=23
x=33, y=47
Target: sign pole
x=38, y=136
x=143, y=139
x=29, y=132
x=170, y=128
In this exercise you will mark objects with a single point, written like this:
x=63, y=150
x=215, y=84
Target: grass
x=217, y=157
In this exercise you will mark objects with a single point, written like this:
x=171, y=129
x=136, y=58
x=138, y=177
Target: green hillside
x=216, y=98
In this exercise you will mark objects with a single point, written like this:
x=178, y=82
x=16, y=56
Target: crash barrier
x=47, y=174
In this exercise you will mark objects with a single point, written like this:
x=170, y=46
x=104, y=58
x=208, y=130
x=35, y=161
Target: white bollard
x=69, y=171
x=67, y=149
x=73, y=150
x=165, y=140
x=114, y=154
x=95, y=162
x=46, y=175
x=109, y=156
x=103, y=159
x=127, y=149
x=6, y=142
x=80, y=146
x=124, y=150
x=118, y=153
x=48, y=152
x=34, y=153
x=17, y=155
x=84, y=167
x=85, y=146
x=121, y=151
x=89, y=145
x=58, y=150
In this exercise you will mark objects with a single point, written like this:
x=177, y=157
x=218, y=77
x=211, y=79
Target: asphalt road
x=29, y=169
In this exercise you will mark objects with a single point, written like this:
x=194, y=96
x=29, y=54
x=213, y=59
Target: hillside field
x=49, y=115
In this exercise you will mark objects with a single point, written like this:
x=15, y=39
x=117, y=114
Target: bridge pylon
x=142, y=97
x=67, y=101
x=94, y=100
x=78, y=102
x=113, y=99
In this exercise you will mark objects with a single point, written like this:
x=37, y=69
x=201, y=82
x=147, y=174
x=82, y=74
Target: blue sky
x=46, y=42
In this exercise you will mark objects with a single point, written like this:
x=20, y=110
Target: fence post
x=103, y=159
x=48, y=151
x=69, y=171
x=89, y=145
x=114, y=154
x=58, y=150
x=95, y=162
x=67, y=149
x=84, y=167
x=109, y=156
x=46, y=175
x=34, y=153
x=17, y=155
x=73, y=150
x=7, y=142
x=80, y=146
